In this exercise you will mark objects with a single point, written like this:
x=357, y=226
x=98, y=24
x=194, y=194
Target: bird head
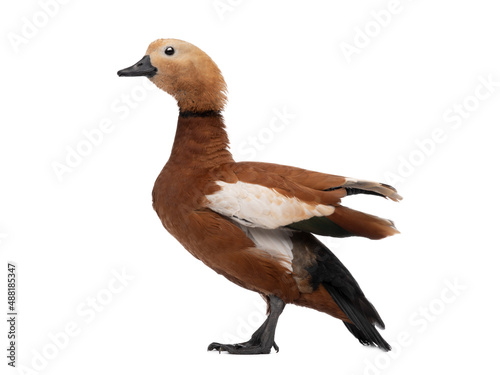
x=185, y=72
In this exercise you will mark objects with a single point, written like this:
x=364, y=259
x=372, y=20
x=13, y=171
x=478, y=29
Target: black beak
x=142, y=68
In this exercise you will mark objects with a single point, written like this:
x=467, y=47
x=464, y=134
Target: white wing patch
x=254, y=205
x=276, y=243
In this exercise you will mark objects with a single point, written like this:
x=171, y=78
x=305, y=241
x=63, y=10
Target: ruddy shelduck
x=255, y=223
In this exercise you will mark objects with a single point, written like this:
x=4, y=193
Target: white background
x=360, y=118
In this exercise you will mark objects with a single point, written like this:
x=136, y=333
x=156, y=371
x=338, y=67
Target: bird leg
x=262, y=340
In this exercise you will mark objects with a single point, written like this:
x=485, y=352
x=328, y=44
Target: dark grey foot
x=262, y=340
x=243, y=348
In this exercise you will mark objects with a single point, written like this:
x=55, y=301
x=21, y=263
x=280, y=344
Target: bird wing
x=326, y=182
x=271, y=196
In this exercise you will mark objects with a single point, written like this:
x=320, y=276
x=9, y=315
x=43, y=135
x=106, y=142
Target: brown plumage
x=254, y=222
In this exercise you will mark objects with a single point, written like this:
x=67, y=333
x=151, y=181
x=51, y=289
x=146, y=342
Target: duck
x=256, y=223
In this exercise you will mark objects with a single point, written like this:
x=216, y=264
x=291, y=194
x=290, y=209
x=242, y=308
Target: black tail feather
x=345, y=291
x=382, y=344
x=363, y=316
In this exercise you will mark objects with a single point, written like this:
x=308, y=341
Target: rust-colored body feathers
x=199, y=158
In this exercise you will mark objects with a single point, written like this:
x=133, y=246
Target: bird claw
x=242, y=348
x=276, y=347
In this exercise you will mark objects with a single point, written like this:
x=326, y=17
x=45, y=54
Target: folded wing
x=271, y=196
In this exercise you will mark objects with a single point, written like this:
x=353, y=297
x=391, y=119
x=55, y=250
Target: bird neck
x=201, y=140
x=201, y=98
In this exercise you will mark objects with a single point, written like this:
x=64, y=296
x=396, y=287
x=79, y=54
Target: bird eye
x=169, y=51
